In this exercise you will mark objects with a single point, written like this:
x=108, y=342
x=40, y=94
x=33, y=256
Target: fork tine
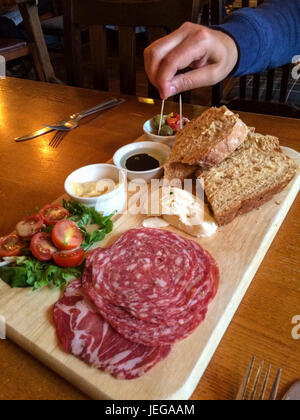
x=274, y=391
x=242, y=391
x=265, y=383
x=63, y=135
x=53, y=140
x=56, y=140
x=59, y=139
x=253, y=392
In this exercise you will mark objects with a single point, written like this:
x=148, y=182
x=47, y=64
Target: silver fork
x=250, y=394
x=73, y=121
x=57, y=139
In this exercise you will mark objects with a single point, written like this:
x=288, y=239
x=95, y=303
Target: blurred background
x=74, y=56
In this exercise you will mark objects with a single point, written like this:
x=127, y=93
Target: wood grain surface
x=33, y=174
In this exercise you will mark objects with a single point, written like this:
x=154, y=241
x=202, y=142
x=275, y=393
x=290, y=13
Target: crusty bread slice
x=179, y=171
x=256, y=171
x=209, y=139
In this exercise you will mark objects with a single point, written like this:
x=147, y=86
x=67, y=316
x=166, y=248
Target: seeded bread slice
x=209, y=139
x=248, y=178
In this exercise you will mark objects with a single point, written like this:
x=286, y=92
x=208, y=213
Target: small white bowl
x=114, y=201
x=168, y=140
x=159, y=150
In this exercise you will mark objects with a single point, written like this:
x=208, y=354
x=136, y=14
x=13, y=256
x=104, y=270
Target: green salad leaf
x=91, y=239
x=29, y=272
x=84, y=216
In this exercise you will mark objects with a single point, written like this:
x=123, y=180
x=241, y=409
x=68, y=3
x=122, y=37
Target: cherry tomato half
x=66, y=235
x=67, y=259
x=11, y=246
x=29, y=226
x=42, y=247
x=173, y=120
x=53, y=213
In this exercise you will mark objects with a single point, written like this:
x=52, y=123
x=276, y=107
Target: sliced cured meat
x=146, y=333
x=119, y=319
x=83, y=332
x=146, y=271
x=154, y=321
x=214, y=275
x=198, y=292
x=161, y=265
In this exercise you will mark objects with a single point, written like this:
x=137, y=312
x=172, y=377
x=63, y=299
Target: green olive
x=166, y=130
x=156, y=121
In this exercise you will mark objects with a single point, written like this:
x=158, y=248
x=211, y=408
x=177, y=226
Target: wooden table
x=32, y=174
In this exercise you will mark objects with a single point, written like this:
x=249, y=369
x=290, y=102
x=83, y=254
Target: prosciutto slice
x=83, y=332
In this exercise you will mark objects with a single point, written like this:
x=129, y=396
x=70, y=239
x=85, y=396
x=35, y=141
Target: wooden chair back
x=12, y=49
x=36, y=43
x=158, y=16
x=254, y=103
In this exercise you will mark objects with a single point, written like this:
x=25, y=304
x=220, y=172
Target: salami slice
x=146, y=269
x=141, y=311
x=143, y=332
x=83, y=332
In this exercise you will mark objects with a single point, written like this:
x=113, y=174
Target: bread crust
x=223, y=149
x=250, y=203
x=209, y=139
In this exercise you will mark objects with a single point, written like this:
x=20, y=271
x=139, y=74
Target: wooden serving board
x=239, y=249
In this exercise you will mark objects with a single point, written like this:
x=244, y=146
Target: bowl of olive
x=170, y=125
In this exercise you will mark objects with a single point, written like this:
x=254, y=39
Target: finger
x=183, y=56
x=160, y=48
x=202, y=77
x=156, y=52
x=204, y=61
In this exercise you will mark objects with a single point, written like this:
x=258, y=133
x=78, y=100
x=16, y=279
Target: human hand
x=210, y=53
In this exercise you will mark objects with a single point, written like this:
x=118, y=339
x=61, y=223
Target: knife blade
x=34, y=135
x=40, y=132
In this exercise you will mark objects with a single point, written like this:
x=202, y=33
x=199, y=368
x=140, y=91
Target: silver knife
x=46, y=130
x=37, y=133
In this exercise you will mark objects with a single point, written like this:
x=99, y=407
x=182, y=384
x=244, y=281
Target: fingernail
x=173, y=90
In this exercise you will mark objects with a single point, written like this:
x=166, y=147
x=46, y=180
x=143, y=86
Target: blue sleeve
x=267, y=37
